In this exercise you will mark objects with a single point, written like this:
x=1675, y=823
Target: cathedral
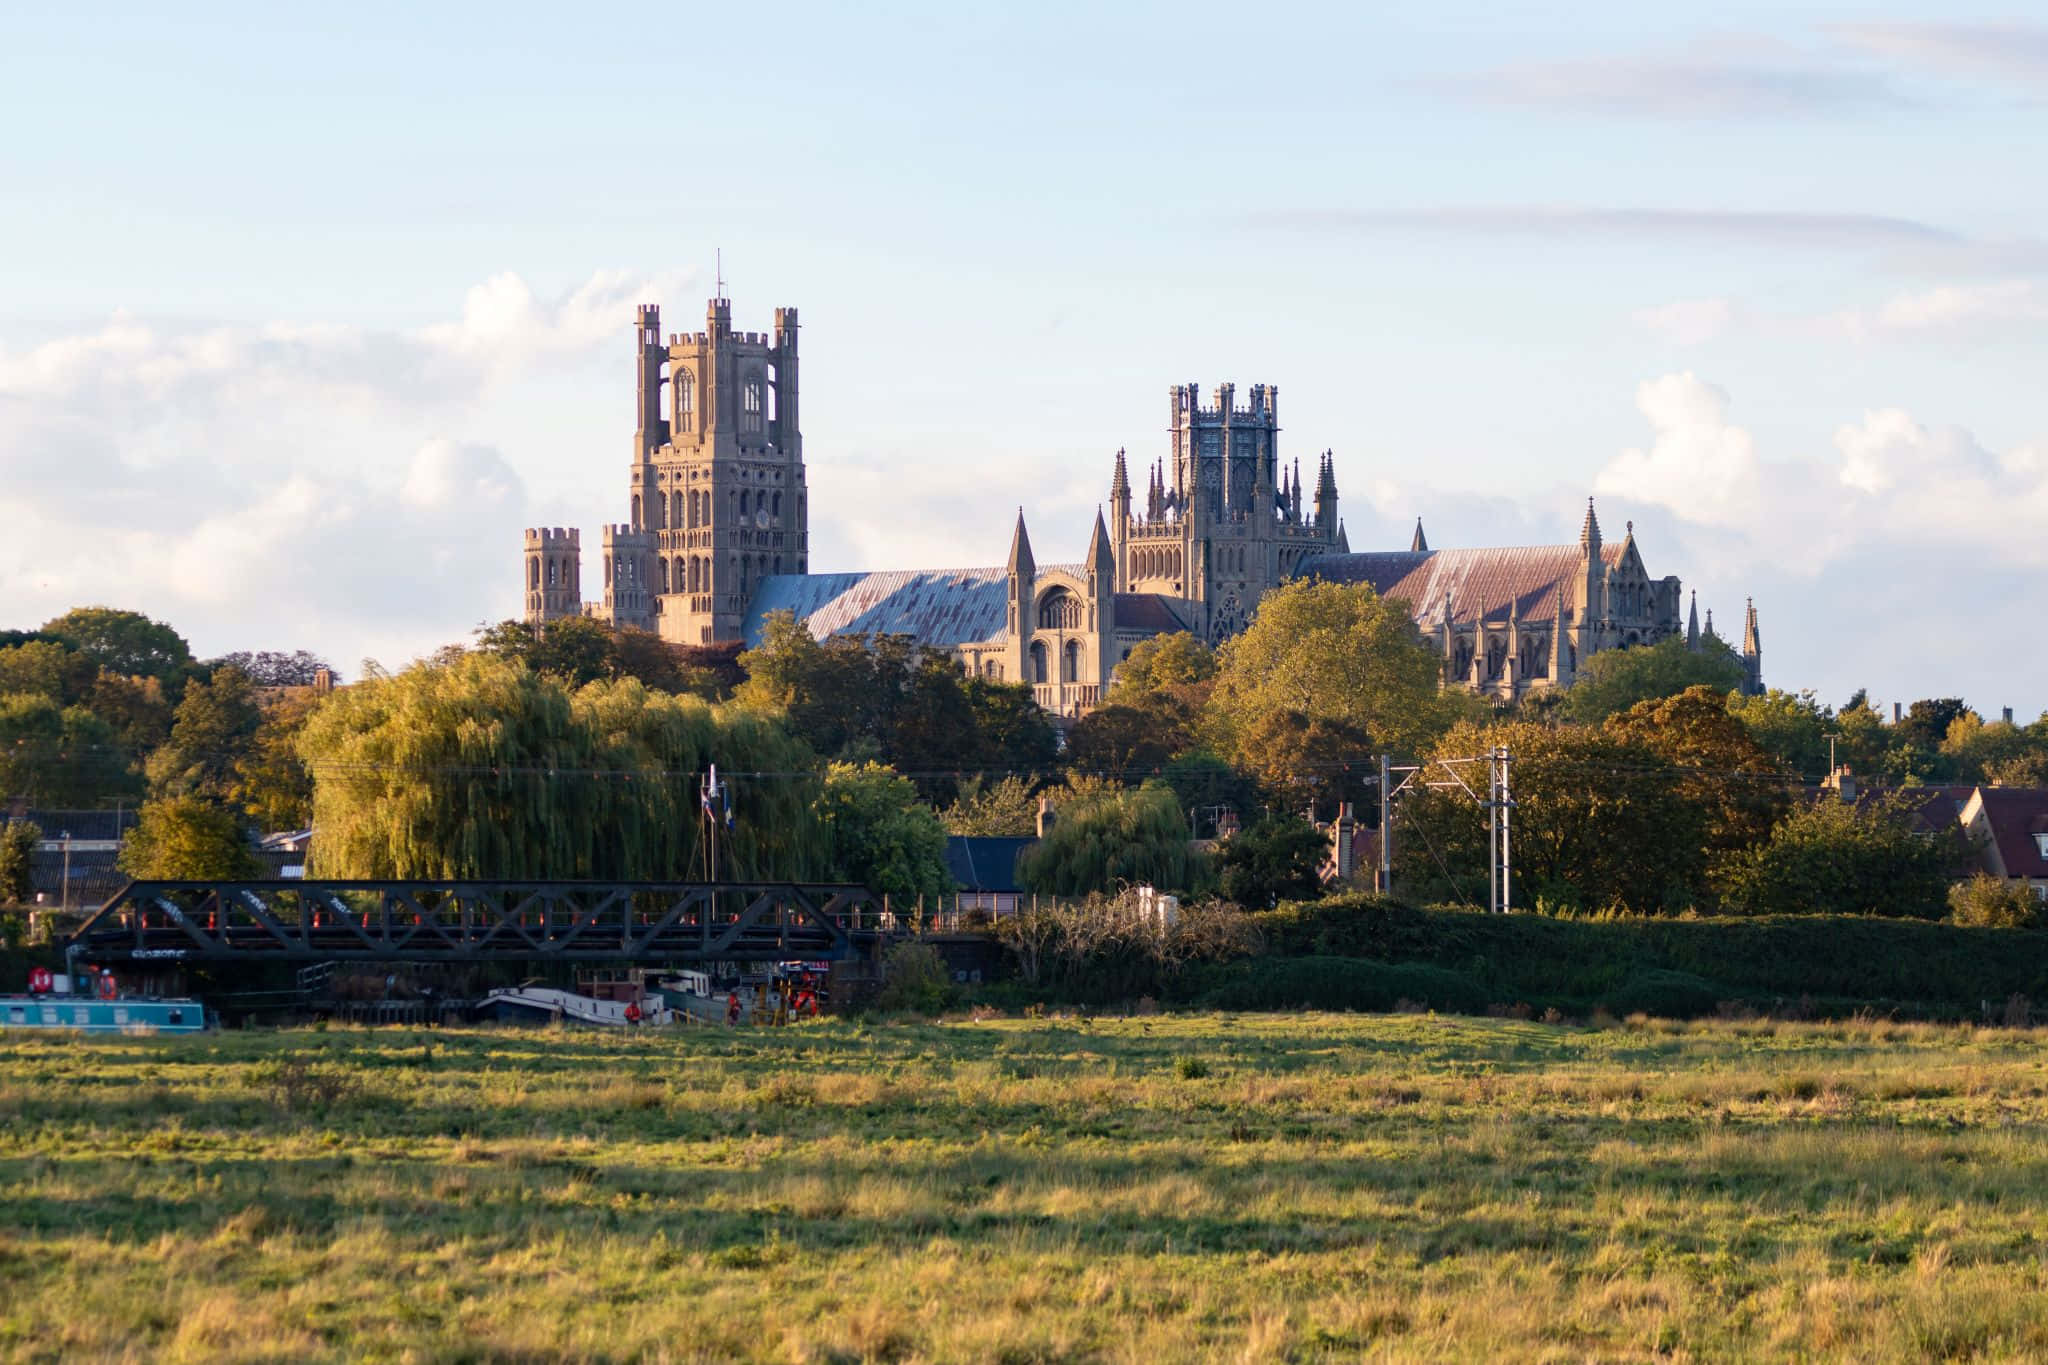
x=718, y=538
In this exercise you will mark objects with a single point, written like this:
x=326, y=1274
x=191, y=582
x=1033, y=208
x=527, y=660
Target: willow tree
x=480, y=768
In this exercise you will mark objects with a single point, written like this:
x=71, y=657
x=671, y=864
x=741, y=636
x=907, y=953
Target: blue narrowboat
x=85, y=1014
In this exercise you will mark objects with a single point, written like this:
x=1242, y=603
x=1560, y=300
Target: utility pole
x=1499, y=807
x=1386, y=878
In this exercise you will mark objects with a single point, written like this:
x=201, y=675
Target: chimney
x=1046, y=816
x=1843, y=783
x=1897, y=713
x=2008, y=715
x=1343, y=832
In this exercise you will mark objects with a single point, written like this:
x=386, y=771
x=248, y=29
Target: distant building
x=2009, y=827
x=718, y=537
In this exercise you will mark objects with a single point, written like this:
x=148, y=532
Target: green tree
x=1007, y=808
x=274, y=667
x=882, y=835
x=213, y=734
x=1974, y=749
x=1599, y=823
x=1832, y=857
x=1327, y=676
x=1206, y=786
x=124, y=642
x=481, y=767
x=1162, y=663
x=1127, y=743
x=186, y=837
x=1791, y=727
x=1616, y=679
x=1994, y=902
x=60, y=757
x=1717, y=765
x=18, y=840
x=1124, y=838
x=271, y=783
x=46, y=668
x=1279, y=858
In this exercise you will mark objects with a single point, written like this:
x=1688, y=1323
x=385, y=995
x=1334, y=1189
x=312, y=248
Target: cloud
x=1684, y=87
x=1812, y=231
x=2013, y=52
x=1688, y=322
x=287, y=485
x=1698, y=464
x=1947, y=309
x=1890, y=553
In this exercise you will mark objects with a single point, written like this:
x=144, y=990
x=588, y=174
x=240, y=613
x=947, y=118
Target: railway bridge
x=243, y=922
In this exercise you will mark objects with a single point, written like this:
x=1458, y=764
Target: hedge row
x=1659, y=966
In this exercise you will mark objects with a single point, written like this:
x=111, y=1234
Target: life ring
x=632, y=1013
x=39, y=981
x=108, y=988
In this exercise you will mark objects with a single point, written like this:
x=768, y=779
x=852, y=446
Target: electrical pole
x=1507, y=866
x=1386, y=879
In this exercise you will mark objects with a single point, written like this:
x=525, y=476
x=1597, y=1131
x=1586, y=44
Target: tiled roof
x=2016, y=815
x=82, y=824
x=1149, y=611
x=935, y=606
x=1522, y=581
x=985, y=862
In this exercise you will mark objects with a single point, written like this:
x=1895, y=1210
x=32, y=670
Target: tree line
x=573, y=750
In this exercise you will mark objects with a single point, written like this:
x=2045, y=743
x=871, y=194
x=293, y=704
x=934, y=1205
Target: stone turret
x=1752, y=651
x=554, y=573
x=1420, y=544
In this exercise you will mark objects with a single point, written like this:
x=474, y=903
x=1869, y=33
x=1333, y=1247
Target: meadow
x=1233, y=1187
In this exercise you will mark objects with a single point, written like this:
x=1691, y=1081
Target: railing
x=480, y=921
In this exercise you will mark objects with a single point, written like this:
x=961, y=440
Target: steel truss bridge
x=479, y=921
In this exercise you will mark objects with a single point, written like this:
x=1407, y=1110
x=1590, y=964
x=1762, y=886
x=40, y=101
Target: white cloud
x=1699, y=465
x=1688, y=322
x=286, y=485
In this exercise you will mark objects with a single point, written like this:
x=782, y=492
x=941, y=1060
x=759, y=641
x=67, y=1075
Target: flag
x=726, y=793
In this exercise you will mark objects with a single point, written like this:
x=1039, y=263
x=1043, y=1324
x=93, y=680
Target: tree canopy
x=1326, y=678
x=481, y=767
x=1616, y=679
x=1118, y=839
x=882, y=835
x=124, y=642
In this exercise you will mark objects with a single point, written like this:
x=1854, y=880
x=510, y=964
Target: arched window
x=695, y=585
x=533, y=573
x=1038, y=661
x=664, y=573
x=1071, y=669
x=554, y=574
x=750, y=404
x=1059, y=610
x=608, y=571
x=686, y=399
x=777, y=509
x=636, y=511
x=677, y=518
x=743, y=506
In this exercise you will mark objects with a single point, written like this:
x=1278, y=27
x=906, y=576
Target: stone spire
x=1419, y=545
x=1343, y=545
x=1099, y=558
x=1021, y=563
x=1326, y=494
x=1589, y=532
x=1692, y=623
x=1120, y=482
x=1752, y=650
x=1710, y=623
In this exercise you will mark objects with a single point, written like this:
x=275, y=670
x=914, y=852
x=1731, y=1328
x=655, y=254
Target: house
x=2009, y=826
x=985, y=870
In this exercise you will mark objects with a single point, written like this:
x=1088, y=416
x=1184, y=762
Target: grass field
x=1151, y=1189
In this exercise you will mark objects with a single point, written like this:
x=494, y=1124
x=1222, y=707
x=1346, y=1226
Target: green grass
x=1251, y=1187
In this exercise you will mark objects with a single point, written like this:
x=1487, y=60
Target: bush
x=1341, y=983
x=1835, y=858
x=914, y=978
x=1666, y=994
x=1994, y=903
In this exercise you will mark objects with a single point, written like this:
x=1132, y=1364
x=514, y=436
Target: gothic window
x=778, y=505
x=677, y=519
x=695, y=585
x=1038, y=661
x=1070, y=670
x=750, y=404
x=686, y=399
x=533, y=573
x=664, y=574
x=743, y=507
x=607, y=572
x=636, y=511
x=554, y=574
x=1059, y=610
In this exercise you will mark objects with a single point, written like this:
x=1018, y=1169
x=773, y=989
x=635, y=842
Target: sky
x=306, y=312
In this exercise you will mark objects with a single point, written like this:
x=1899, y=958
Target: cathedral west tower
x=718, y=469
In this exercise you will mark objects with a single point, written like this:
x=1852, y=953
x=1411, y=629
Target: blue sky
x=331, y=303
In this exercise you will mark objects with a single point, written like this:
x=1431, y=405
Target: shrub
x=1994, y=903
x=1341, y=983
x=1667, y=994
x=914, y=977
x=1835, y=858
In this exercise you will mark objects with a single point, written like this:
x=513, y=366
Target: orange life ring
x=108, y=988
x=40, y=981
